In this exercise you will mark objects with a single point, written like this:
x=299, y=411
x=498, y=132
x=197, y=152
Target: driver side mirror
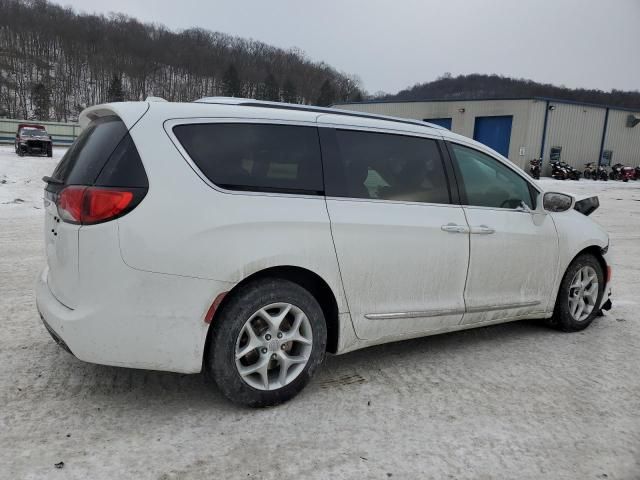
x=556, y=202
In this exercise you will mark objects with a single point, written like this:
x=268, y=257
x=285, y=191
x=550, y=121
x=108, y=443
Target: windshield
x=32, y=132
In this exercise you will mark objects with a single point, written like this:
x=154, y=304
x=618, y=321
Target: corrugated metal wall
x=62, y=133
x=623, y=141
x=576, y=128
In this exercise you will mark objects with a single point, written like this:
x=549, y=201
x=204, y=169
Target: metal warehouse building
x=523, y=129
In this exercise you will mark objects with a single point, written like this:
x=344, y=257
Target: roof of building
x=468, y=99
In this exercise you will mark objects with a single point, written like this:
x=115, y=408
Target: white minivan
x=249, y=238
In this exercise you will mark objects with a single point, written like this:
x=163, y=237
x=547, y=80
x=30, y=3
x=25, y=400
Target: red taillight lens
x=103, y=204
x=88, y=205
x=70, y=204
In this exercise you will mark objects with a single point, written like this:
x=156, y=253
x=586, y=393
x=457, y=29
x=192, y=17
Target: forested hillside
x=494, y=86
x=55, y=62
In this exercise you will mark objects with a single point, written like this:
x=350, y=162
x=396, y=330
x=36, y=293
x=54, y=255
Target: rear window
x=103, y=154
x=255, y=157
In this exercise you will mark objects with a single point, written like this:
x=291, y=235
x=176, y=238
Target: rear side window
x=384, y=166
x=255, y=157
x=84, y=160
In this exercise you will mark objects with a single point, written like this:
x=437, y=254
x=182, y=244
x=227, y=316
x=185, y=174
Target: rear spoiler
x=588, y=205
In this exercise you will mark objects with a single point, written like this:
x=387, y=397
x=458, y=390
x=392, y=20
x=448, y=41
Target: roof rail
x=248, y=102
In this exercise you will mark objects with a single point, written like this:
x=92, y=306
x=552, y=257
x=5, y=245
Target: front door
x=513, y=242
x=402, y=246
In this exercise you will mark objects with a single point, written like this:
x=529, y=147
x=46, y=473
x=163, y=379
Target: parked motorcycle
x=575, y=174
x=572, y=173
x=558, y=171
x=602, y=174
x=590, y=171
x=622, y=172
x=534, y=167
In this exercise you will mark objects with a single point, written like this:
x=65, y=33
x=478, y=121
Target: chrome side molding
x=504, y=306
x=423, y=314
x=450, y=311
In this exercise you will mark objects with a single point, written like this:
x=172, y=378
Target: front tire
x=580, y=295
x=266, y=343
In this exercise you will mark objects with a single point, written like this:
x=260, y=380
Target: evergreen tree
x=327, y=94
x=41, y=101
x=115, y=93
x=231, y=86
x=289, y=92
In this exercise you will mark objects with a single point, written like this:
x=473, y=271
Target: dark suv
x=33, y=139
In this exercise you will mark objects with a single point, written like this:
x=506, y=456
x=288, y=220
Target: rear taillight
x=70, y=204
x=89, y=205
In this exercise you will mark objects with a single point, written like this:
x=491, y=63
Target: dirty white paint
x=188, y=241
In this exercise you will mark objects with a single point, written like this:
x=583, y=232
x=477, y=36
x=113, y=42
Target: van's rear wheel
x=580, y=294
x=266, y=343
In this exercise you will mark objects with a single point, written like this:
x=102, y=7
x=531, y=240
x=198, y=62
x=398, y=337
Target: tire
x=50, y=152
x=586, y=175
x=563, y=318
x=230, y=331
x=20, y=152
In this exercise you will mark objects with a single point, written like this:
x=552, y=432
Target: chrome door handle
x=482, y=230
x=453, y=228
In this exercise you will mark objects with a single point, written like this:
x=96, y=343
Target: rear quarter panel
x=186, y=227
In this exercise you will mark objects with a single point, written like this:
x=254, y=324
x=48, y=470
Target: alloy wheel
x=583, y=293
x=273, y=346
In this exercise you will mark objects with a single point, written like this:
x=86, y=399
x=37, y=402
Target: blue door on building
x=494, y=132
x=443, y=122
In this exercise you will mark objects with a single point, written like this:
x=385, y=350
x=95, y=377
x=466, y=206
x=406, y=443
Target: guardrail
x=62, y=133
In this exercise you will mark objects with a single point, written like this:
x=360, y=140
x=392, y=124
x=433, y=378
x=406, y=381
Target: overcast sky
x=393, y=44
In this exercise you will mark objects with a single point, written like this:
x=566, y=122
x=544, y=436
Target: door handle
x=482, y=230
x=453, y=228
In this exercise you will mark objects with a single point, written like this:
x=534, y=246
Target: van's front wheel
x=580, y=294
x=266, y=343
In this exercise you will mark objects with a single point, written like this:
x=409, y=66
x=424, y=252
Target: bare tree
x=84, y=59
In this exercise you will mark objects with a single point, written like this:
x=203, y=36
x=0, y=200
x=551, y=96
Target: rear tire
x=249, y=323
x=580, y=295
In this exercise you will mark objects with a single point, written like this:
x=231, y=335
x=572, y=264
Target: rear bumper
x=55, y=336
x=153, y=322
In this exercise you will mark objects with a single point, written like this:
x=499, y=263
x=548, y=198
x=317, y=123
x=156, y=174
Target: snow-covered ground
x=21, y=183
x=510, y=401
